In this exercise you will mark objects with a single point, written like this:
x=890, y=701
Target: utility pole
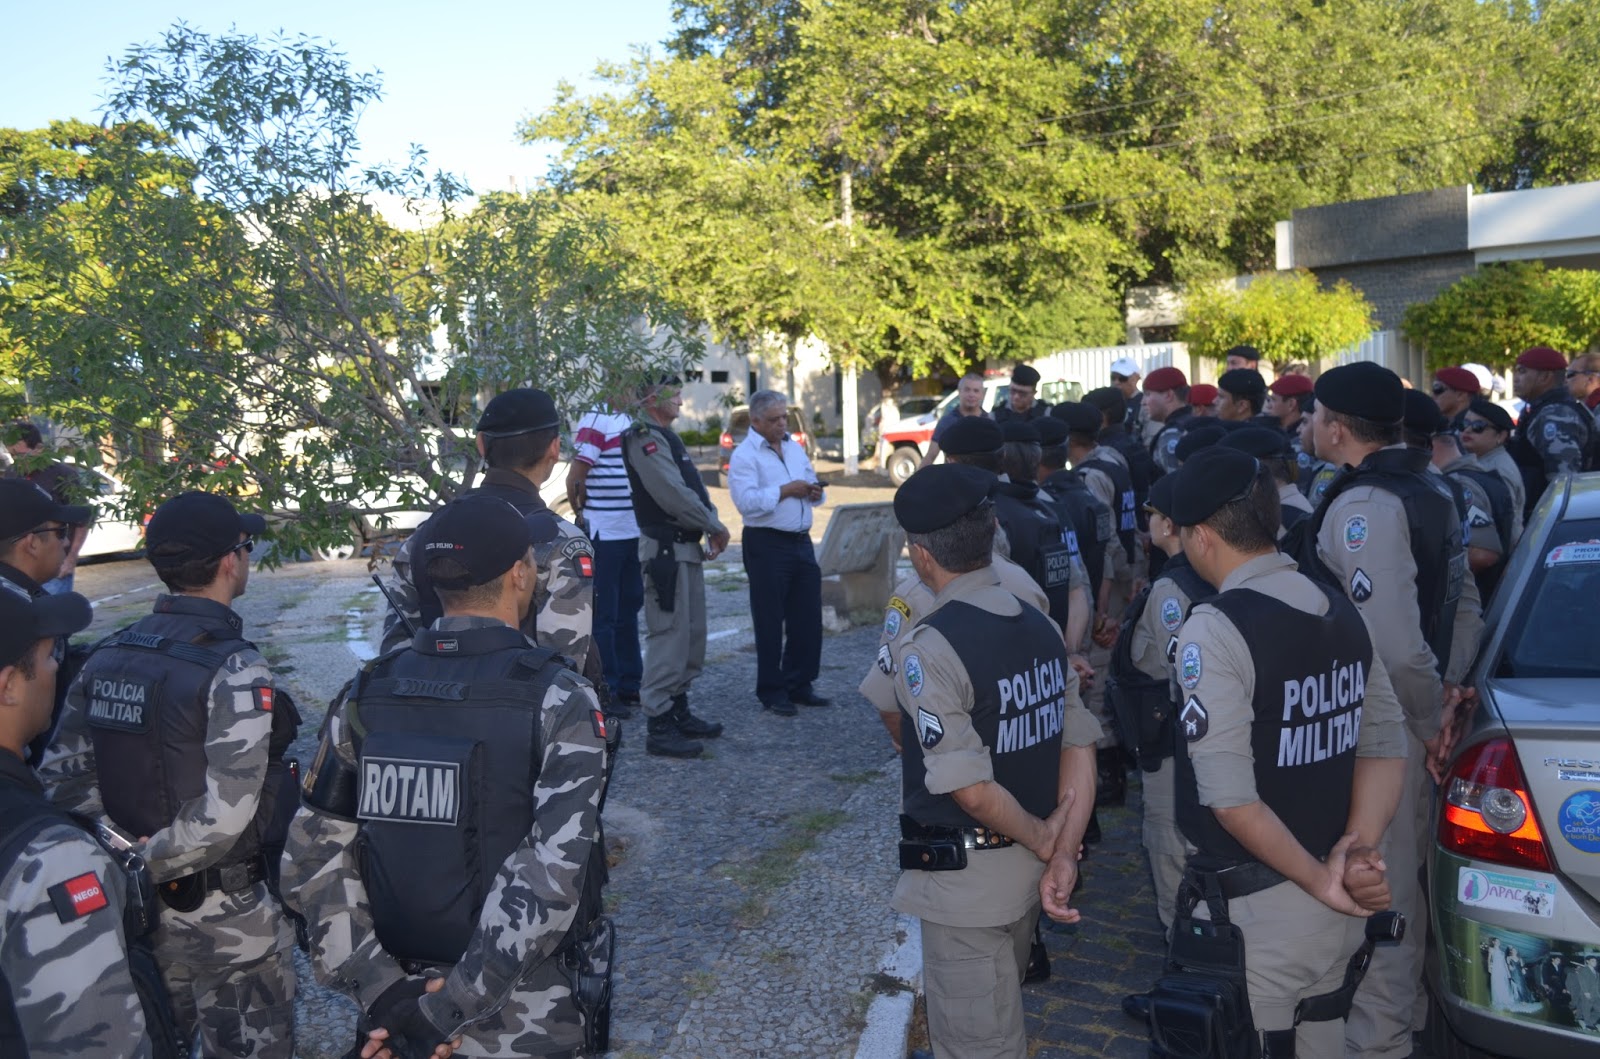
x=852, y=414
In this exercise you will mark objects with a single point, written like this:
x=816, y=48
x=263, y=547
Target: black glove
x=397, y=1009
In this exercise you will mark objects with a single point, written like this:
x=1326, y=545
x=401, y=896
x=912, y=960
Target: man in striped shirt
x=598, y=490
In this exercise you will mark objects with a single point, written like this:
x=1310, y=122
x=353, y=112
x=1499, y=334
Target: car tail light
x=1487, y=813
x=726, y=440
x=800, y=438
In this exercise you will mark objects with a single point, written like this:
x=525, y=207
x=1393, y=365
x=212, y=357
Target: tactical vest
x=1502, y=510
x=448, y=746
x=1127, y=513
x=146, y=697
x=1037, y=543
x=1527, y=457
x=1310, y=684
x=1142, y=704
x=1291, y=517
x=1017, y=668
x=1437, y=546
x=653, y=519
x=1090, y=522
x=1139, y=464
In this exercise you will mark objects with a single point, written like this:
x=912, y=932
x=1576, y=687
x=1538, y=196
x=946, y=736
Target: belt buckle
x=233, y=878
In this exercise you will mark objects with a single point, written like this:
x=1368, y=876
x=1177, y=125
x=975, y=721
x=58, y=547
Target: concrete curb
x=889, y=1017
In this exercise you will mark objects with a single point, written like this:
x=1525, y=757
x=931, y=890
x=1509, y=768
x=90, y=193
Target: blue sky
x=457, y=77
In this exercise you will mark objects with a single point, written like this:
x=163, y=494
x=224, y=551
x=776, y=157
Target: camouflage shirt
x=1559, y=430
x=562, y=616
x=62, y=953
x=505, y=993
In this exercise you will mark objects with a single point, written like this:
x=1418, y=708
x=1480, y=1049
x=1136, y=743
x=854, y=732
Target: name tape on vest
x=119, y=704
x=1057, y=568
x=410, y=792
x=1036, y=698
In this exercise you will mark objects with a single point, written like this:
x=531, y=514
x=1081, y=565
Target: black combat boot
x=688, y=723
x=665, y=739
x=1111, y=777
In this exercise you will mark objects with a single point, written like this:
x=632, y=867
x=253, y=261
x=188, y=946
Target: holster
x=1200, y=1009
x=587, y=960
x=1143, y=711
x=663, y=570
x=1383, y=927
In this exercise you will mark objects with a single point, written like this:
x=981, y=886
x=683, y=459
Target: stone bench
x=858, y=555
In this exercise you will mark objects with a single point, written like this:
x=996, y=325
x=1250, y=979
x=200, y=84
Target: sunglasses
x=63, y=533
x=1118, y=378
x=1439, y=388
x=1474, y=426
x=247, y=546
x=1572, y=373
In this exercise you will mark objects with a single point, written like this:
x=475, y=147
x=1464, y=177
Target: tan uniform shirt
x=1153, y=646
x=646, y=451
x=1224, y=764
x=997, y=886
x=1500, y=462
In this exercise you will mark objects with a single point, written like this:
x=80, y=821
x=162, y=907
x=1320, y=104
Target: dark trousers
x=785, y=611
x=618, y=595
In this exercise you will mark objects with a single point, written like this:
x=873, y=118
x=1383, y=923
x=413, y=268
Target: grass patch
x=855, y=1019
x=855, y=778
x=776, y=866
x=701, y=984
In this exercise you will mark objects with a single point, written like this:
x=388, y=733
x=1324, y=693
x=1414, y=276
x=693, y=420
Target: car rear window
x=1551, y=632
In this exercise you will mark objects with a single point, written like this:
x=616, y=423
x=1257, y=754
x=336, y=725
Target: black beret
x=1247, y=351
x=519, y=411
x=1051, y=431
x=1422, y=413
x=1161, y=494
x=1108, y=399
x=1021, y=430
x=1260, y=442
x=1243, y=382
x=1365, y=389
x=1080, y=418
x=970, y=435
x=936, y=496
x=1211, y=478
x=1023, y=375
x=1496, y=416
x=1192, y=441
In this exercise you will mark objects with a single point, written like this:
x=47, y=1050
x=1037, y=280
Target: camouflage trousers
x=229, y=970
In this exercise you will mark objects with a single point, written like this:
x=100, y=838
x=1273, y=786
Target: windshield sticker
x=1575, y=552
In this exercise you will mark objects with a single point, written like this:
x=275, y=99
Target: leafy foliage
x=1491, y=316
x=1286, y=316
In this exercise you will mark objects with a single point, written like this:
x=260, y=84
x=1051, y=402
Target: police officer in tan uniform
x=998, y=767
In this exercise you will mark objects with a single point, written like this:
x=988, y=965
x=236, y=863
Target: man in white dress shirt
x=774, y=488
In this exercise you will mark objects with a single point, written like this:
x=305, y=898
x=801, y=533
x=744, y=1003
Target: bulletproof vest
x=1502, y=510
x=1310, y=683
x=447, y=741
x=1037, y=543
x=1140, y=465
x=1172, y=428
x=1292, y=517
x=146, y=697
x=1437, y=545
x=645, y=508
x=1017, y=668
x=529, y=504
x=1089, y=521
x=1127, y=513
x=1142, y=703
x=1527, y=457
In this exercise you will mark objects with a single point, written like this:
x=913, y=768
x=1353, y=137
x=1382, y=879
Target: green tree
x=1492, y=315
x=1286, y=316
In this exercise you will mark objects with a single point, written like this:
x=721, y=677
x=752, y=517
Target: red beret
x=1201, y=394
x=1291, y=385
x=1542, y=358
x=1458, y=379
x=1163, y=379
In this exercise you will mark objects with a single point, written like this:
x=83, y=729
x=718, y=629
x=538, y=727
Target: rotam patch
x=929, y=730
x=1171, y=614
x=1355, y=533
x=1360, y=586
x=1189, y=668
x=576, y=548
x=78, y=896
x=1194, y=720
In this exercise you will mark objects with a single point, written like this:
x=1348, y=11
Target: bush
x=1285, y=315
x=1494, y=314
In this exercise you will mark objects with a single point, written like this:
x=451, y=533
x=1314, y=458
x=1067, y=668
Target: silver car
x=1514, y=862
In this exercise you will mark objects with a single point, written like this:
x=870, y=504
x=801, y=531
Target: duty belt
x=1235, y=880
x=969, y=837
x=671, y=533
x=236, y=877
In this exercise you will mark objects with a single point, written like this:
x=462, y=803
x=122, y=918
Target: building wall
x=1395, y=227
x=1394, y=284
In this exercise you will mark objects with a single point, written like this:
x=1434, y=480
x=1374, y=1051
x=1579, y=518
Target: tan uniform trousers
x=1294, y=947
x=1164, y=844
x=973, y=980
x=675, y=640
x=1391, y=1002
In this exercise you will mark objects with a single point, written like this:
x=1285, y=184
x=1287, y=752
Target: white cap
x=1482, y=374
x=1127, y=367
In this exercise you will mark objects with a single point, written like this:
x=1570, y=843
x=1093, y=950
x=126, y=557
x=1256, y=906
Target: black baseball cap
x=519, y=411
x=25, y=621
x=485, y=535
x=200, y=525
x=26, y=505
x=936, y=496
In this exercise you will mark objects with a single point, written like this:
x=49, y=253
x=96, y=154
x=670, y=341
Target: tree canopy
x=1491, y=316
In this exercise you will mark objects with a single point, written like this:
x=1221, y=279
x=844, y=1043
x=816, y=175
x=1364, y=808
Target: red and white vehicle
x=902, y=445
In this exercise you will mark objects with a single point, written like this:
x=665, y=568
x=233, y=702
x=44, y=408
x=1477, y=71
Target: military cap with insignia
x=937, y=496
x=971, y=435
x=1211, y=478
x=1542, y=358
x=1201, y=394
x=1457, y=379
x=1292, y=385
x=1243, y=382
x=1365, y=389
x=1491, y=413
x=1023, y=375
x=1244, y=351
x=1163, y=379
x=1160, y=501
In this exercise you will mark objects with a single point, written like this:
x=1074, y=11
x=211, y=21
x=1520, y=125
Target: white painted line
x=889, y=1016
x=129, y=592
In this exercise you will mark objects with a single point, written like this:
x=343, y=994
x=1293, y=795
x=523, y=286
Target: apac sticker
x=1355, y=533
x=1573, y=553
x=895, y=615
x=1579, y=821
x=1194, y=719
x=1171, y=614
x=929, y=730
x=1360, y=586
x=913, y=671
x=1189, y=666
x=1499, y=892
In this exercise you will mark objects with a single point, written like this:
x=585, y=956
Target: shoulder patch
x=598, y=720
x=1189, y=667
x=1360, y=586
x=895, y=615
x=1550, y=430
x=913, y=673
x=1172, y=444
x=576, y=546
x=1477, y=518
x=586, y=565
x=1171, y=614
x=264, y=700
x=885, y=660
x=1194, y=719
x=650, y=448
x=1172, y=651
x=929, y=730
x=78, y=897
x=1355, y=533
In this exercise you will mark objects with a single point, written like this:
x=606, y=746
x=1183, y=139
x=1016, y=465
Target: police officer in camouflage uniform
x=675, y=516
x=64, y=976
x=451, y=819
x=174, y=728
x=1556, y=435
x=519, y=438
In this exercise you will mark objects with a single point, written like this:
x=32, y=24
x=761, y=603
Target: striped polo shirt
x=610, y=506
